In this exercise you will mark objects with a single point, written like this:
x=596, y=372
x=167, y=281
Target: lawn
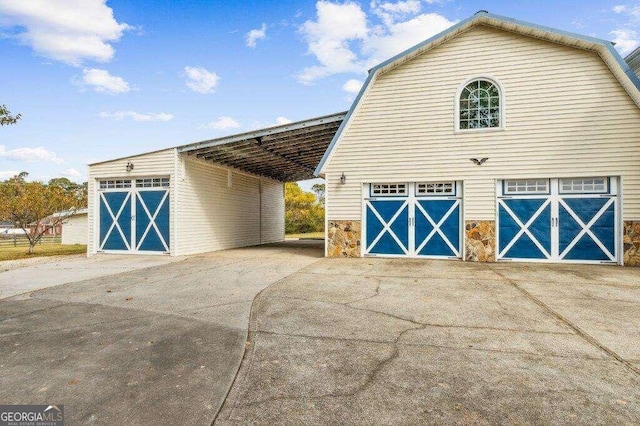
x=307, y=236
x=22, y=252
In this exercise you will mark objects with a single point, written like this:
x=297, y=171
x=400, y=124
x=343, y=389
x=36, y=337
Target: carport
x=286, y=153
x=212, y=195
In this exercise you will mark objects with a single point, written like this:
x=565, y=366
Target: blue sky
x=98, y=79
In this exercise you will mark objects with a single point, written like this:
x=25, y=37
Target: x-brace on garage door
x=558, y=220
x=134, y=215
x=416, y=220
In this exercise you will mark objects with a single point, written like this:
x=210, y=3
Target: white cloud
x=390, y=12
x=136, y=116
x=352, y=86
x=70, y=31
x=222, y=123
x=102, y=82
x=201, y=80
x=6, y=174
x=72, y=173
x=30, y=155
x=402, y=35
x=344, y=40
x=282, y=120
x=626, y=35
x=625, y=40
x=632, y=11
x=328, y=39
x=256, y=34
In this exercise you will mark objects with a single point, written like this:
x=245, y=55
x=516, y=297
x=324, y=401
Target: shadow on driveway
x=159, y=345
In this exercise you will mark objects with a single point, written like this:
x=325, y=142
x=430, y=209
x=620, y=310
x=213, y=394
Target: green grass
x=22, y=252
x=308, y=235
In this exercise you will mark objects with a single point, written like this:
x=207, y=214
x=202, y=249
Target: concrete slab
x=17, y=277
x=321, y=319
x=565, y=273
x=564, y=344
x=335, y=382
x=333, y=341
x=112, y=365
x=608, y=321
x=159, y=345
x=460, y=302
x=393, y=341
x=590, y=291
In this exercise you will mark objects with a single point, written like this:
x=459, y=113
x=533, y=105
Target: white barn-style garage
x=211, y=195
x=495, y=140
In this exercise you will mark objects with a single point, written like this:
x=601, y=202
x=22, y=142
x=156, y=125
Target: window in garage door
x=421, y=219
x=134, y=215
x=558, y=220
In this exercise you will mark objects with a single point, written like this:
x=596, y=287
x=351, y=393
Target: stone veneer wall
x=343, y=238
x=480, y=240
x=631, y=243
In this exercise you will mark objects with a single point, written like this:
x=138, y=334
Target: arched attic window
x=480, y=105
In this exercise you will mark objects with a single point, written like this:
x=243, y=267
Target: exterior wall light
x=129, y=166
x=343, y=179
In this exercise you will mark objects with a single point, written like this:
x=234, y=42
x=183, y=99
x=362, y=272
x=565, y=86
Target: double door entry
x=558, y=220
x=134, y=215
x=412, y=219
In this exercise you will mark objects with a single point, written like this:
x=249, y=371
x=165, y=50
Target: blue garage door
x=134, y=215
x=571, y=219
x=115, y=220
x=416, y=220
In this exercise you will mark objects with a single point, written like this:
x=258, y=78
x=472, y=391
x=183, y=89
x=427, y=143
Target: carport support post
x=260, y=209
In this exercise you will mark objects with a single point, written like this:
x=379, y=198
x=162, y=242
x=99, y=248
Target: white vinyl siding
x=272, y=211
x=582, y=124
x=154, y=164
x=213, y=215
x=74, y=230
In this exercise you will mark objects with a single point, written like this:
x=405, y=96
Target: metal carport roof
x=286, y=153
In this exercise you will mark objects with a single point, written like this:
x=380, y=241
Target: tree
x=25, y=202
x=319, y=189
x=6, y=118
x=303, y=213
x=70, y=187
x=19, y=178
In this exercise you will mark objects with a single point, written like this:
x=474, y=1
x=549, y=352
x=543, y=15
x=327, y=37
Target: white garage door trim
x=133, y=207
x=417, y=220
x=555, y=216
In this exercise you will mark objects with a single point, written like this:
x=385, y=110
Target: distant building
x=47, y=224
x=75, y=228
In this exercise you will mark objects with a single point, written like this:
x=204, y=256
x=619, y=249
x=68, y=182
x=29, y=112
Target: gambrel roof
x=605, y=49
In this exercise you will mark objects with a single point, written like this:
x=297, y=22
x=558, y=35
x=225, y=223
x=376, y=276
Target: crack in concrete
x=374, y=373
x=348, y=305
x=247, y=355
x=368, y=381
x=590, y=339
x=376, y=293
x=470, y=327
x=427, y=345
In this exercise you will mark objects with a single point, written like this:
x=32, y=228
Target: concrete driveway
x=159, y=345
x=379, y=341
x=24, y=275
